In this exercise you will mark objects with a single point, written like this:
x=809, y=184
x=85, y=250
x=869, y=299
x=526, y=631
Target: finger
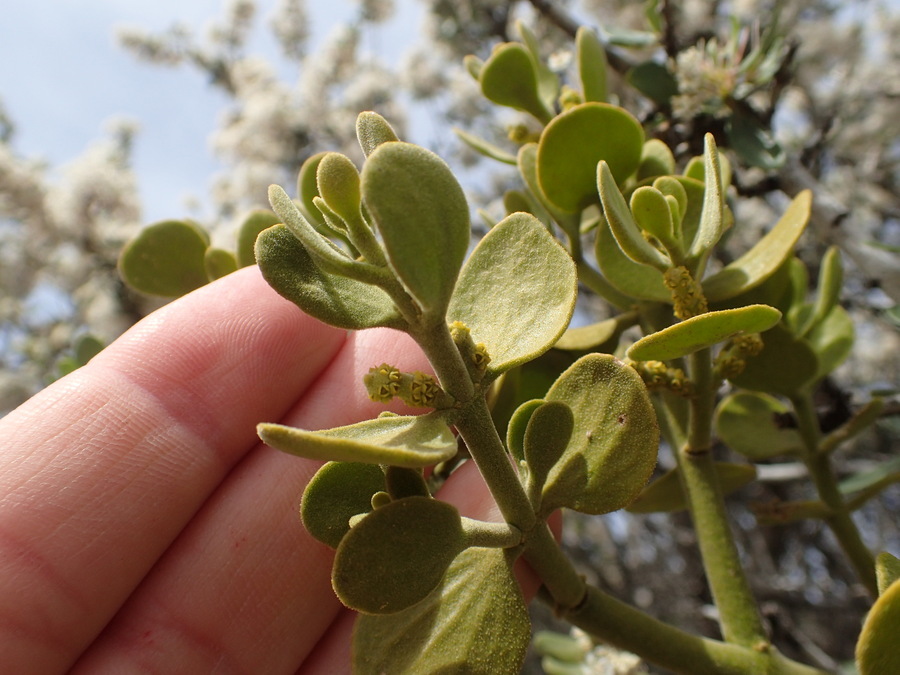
x=244, y=588
x=105, y=468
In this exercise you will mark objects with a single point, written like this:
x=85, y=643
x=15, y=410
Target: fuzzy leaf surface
x=614, y=442
x=422, y=215
x=574, y=142
x=334, y=299
x=516, y=292
x=704, y=330
x=396, y=555
x=337, y=492
x=766, y=256
x=635, y=280
x=166, y=259
x=747, y=423
x=255, y=222
x=411, y=441
x=784, y=366
x=475, y=622
x=509, y=78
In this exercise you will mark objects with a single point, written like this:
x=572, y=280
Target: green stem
x=490, y=535
x=628, y=628
x=840, y=520
x=738, y=615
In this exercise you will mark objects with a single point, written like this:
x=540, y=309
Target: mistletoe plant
x=386, y=246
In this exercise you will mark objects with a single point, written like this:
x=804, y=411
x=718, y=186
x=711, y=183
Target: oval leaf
x=336, y=300
x=705, y=330
x=308, y=188
x=423, y=217
x=635, y=280
x=396, y=555
x=665, y=494
x=255, y=222
x=516, y=292
x=338, y=491
x=508, y=78
x=878, y=651
x=761, y=261
x=748, y=423
x=612, y=451
x=546, y=437
x=784, y=366
x=166, y=259
x=592, y=68
x=411, y=441
x=575, y=141
x=887, y=570
x=475, y=622
x=832, y=340
x=372, y=130
x=518, y=423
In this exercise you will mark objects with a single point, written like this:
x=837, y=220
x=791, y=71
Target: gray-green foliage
x=385, y=244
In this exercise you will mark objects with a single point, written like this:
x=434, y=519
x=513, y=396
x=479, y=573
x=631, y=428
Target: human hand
x=144, y=527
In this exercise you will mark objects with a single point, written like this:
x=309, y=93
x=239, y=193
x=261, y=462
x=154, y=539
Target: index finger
x=135, y=442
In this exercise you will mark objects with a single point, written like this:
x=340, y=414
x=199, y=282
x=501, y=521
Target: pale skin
x=143, y=525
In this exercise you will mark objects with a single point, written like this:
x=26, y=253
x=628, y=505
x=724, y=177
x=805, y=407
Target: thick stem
x=739, y=618
x=840, y=520
x=628, y=628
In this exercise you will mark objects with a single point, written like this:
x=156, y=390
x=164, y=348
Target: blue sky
x=63, y=75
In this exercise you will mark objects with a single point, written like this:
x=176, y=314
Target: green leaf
x=784, y=366
x=575, y=141
x=410, y=441
x=884, y=474
x=712, y=217
x=878, y=651
x=546, y=438
x=656, y=160
x=748, y=423
x=548, y=82
x=665, y=494
x=396, y=555
x=166, y=259
x=337, y=492
x=828, y=291
x=308, y=187
x=633, y=279
x=475, y=623
x=622, y=224
x=652, y=214
x=86, y=348
x=481, y=146
x=422, y=215
x=372, y=130
x=612, y=451
x=255, y=222
x=334, y=299
x=599, y=337
x=752, y=142
x=624, y=37
x=592, y=67
x=832, y=340
x=219, y=263
x=654, y=81
x=403, y=482
x=509, y=78
x=516, y=292
x=338, y=183
x=705, y=330
x=527, y=162
x=761, y=261
x=887, y=568
x=518, y=423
